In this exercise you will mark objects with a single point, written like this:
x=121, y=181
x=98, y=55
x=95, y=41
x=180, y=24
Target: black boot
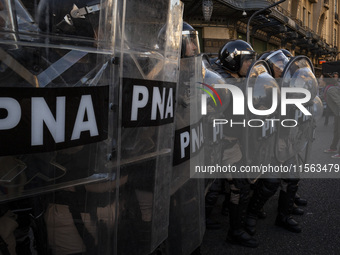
x=250, y=224
x=264, y=189
x=297, y=210
x=300, y=201
x=210, y=223
x=210, y=202
x=284, y=218
x=236, y=233
x=287, y=222
x=241, y=237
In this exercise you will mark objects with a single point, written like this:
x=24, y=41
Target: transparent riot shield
x=148, y=51
x=297, y=127
x=56, y=125
x=215, y=107
x=262, y=94
x=214, y=110
x=187, y=224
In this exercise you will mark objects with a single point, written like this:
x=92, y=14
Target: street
x=320, y=222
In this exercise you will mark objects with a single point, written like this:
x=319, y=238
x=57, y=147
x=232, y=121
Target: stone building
x=308, y=27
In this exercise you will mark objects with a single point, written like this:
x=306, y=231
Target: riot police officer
x=267, y=187
x=234, y=60
x=190, y=45
x=278, y=66
x=84, y=212
x=186, y=224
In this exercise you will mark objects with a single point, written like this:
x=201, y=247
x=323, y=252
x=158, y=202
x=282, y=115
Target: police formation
x=104, y=115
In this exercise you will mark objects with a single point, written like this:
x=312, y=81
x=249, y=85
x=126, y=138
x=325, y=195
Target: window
x=309, y=20
x=336, y=15
x=336, y=6
x=304, y=16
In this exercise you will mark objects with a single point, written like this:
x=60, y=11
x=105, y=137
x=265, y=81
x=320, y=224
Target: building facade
x=308, y=27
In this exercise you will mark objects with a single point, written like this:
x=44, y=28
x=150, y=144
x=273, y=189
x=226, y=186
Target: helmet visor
x=247, y=58
x=277, y=61
x=190, y=43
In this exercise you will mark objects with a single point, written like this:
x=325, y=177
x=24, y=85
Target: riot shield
x=214, y=110
x=262, y=94
x=296, y=129
x=187, y=225
x=57, y=136
x=148, y=51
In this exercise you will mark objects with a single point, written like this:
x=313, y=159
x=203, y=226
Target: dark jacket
x=333, y=99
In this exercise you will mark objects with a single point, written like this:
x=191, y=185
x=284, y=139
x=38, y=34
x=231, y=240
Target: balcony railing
x=286, y=13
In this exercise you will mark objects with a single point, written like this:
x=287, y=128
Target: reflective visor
x=277, y=61
x=191, y=43
x=248, y=57
x=245, y=56
x=245, y=62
